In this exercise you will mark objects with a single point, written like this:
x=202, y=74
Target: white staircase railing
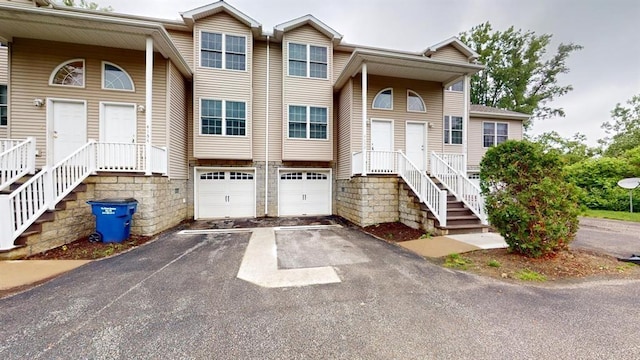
x=459, y=185
x=428, y=192
x=49, y=186
x=16, y=161
x=457, y=161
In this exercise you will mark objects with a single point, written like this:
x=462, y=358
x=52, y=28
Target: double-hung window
x=307, y=122
x=453, y=130
x=223, y=51
x=308, y=61
x=221, y=117
x=494, y=133
x=3, y=105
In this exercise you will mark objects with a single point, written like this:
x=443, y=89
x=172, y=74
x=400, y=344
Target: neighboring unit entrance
x=68, y=128
x=382, y=158
x=118, y=132
x=225, y=193
x=416, y=144
x=304, y=192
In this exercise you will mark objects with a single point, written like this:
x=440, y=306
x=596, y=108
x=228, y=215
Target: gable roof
x=456, y=43
x=279, y=30
x=191, y=16
x=494, y=112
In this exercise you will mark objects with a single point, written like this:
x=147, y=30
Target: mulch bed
x=394, y=232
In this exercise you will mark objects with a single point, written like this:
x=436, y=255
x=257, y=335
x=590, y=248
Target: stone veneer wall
x=411, y=213
x=368, y=200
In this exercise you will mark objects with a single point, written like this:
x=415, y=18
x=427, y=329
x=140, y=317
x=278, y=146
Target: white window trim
x=308, y=107
x=375, y=97
x=308, y=61
x=133, y=85
x=84, y=74
x=224, y=51
x=495, y=132
x=224, y=119
x=450, y=88
x=424, y=105
x=444, y=129
x=6, y=106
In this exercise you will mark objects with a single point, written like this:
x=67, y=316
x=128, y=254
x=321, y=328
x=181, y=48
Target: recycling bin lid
x=115, y=200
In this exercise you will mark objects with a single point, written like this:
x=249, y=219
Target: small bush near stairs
x=527, y=199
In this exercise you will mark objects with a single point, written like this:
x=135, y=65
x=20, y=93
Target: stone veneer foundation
x=161, y=205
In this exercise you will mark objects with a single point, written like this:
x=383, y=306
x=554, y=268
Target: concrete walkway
x=440, y=246
x=18, y=273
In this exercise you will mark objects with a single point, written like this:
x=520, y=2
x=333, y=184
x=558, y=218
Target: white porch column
x=364, y=119
x=148, y=104
x=465, y=127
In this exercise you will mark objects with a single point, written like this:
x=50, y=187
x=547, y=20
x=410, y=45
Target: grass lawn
x=616, y=215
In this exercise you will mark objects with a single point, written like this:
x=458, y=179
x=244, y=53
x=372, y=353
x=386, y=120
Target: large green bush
x=527, y=199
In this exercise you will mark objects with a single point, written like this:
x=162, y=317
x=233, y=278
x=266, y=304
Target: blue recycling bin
x=113, y=219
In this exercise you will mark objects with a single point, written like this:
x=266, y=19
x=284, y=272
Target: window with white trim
x=4, y=103
x=415, y=102
x=222, y=117
x=453, y=130
x=223, y=51
x=308, y=122
x=383, y=100
x=308, y=60
x=459, y=86
x=494, y=133
x=69, y=73
x=115, y=78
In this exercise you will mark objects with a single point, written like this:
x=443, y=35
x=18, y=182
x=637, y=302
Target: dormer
x=452, y=49
x=279, y=30
x=192, y=16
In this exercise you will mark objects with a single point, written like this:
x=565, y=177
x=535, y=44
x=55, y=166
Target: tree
x=527, y=199
x=623, y=130
x=83, y=4
x=572, y=150
x=517, y=77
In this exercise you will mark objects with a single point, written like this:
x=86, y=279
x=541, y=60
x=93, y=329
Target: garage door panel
x=305, y=193
x=226, y=194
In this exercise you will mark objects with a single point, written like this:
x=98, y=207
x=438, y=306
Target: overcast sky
x=605, y=72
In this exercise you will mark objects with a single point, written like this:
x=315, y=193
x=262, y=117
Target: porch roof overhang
x=403, y=65
x=88, y=28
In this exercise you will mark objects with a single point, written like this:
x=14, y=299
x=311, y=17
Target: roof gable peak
x=456, y=43
x=191, y=16
x=311, y=20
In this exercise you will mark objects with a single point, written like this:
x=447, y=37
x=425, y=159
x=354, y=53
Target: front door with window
x=68, y=128
x=382, y=156
x=118, y=135
x=416, y=144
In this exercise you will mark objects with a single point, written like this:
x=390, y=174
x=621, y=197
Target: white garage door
x=305, y=193
x=223, y=194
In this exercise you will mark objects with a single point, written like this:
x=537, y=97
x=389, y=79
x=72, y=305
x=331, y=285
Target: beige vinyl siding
x=340, y=59
x=475, y=149
x=450, y=53
x=345, y=118
x=184, y=42
x=356, y=113
x=4, y=80
x=178, y=168
x=259, y=99
x=223, y=84
x=275, y=102
x=32, y=64
x=453, y=106
x=307, y=92
x=432, y=95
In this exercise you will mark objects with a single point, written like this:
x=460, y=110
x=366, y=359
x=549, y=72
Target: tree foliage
x=623, y=130
x=527, y=199
x=572, y=150
x=518, y=74
x=83, y=4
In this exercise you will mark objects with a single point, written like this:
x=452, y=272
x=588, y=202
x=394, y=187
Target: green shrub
x=527, y=199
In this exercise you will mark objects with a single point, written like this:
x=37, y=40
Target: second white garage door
x=221, y=194
x=304, y=192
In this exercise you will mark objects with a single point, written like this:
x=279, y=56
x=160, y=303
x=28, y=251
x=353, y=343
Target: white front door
x=416, y=144
x=304, y=193
x=118, y=133
x=69, y=128
x=382, y=156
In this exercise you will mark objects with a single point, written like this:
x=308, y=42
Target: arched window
x=384, y=99
x=414, y=102
x=115, y=78
x=69, y=73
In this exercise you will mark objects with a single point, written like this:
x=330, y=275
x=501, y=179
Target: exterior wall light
x=38, y=102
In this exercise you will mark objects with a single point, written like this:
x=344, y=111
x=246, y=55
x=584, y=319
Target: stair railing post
x=443, y=208
x=49, y=188
x=6, y=222
x=31, y=155
x=93, y=154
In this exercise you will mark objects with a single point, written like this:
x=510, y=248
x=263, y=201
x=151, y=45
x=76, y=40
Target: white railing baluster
x=17, y=159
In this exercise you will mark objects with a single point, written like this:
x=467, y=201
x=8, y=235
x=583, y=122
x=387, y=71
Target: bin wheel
x=95, y=237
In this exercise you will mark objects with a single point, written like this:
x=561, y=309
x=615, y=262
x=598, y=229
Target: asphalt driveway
x=613, y=237
x=179, y=298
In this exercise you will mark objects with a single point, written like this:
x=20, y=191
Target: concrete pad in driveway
x=315, y=248
x=17, y=273
x=437, y=247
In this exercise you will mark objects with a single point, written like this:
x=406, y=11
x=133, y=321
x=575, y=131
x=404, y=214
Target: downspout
x=364, y=119
x=465, y=127
x=266, y=141
x=148, y=103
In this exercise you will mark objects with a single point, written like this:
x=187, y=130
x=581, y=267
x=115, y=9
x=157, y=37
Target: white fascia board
x=280, y=29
